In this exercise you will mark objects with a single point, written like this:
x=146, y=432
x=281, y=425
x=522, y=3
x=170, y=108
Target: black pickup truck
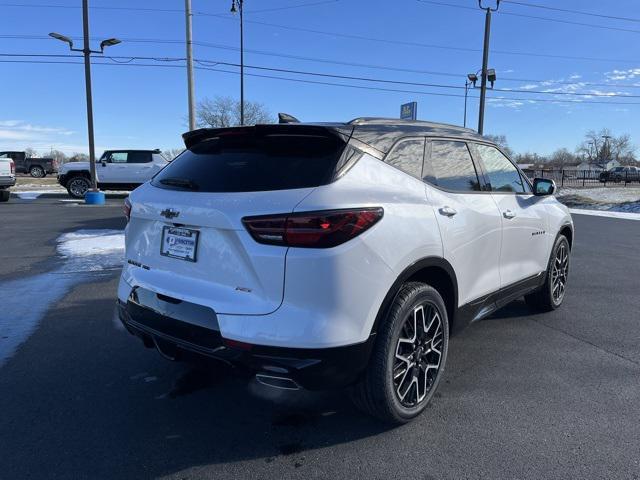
x=36, y=167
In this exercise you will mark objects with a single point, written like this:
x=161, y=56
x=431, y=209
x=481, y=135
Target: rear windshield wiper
x=180, y=182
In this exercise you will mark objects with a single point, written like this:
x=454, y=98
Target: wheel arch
x=567, y=231
x=78, y=173
x=434, y=271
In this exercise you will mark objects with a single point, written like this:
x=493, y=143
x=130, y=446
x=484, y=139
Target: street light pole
x=87, y=83
x=238, y=5
x=485, y=61
x=86, y=51
x=466, y=91
x=190, y=87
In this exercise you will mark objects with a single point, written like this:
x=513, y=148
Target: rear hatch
x=5, y=167
x=186, y=238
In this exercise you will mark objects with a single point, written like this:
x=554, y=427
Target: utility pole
x=190, y=87
x=86, y=51
x=87, y=82
x=238, y=5
x=485, y=61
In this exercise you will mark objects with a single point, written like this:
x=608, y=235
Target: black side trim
x=484, y=306
x=118, y=186
x=408, y=273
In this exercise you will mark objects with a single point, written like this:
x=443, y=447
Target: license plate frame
x=170, y=250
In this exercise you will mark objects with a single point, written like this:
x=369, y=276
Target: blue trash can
x=94, y=198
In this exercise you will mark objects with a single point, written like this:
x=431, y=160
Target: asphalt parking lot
x=524, y=396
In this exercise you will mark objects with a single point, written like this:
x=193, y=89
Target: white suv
x=333, y=255
x=116, y=170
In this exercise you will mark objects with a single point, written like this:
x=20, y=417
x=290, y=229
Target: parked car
x=116, y=170
x=7, y=177
x=338, y=255
x=36, y=167
x=621, y=174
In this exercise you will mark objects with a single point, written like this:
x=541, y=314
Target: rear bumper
x=179, y=329
x=7, y=182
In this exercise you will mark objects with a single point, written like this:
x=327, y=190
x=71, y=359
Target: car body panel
x=313, y=298
x=525, y=236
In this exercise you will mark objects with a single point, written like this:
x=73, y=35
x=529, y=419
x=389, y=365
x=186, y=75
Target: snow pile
x=92, y=250
x=611, y=199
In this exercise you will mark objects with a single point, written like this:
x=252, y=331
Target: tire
x=549, y=296
x=384, y=391
x=37, y=171
x=77, y=186
x=5, y=195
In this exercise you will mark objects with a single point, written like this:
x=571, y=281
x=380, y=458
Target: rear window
x=248, y=162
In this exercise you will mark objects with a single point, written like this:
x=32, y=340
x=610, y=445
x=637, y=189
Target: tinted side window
x=407, y=156
x=117, y=157
x=453, y=167
x=501, y=174
x=138, y=157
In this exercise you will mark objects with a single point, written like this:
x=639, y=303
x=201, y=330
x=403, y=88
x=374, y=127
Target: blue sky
x=43, y=105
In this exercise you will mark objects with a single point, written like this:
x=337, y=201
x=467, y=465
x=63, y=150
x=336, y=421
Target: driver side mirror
x=543, y=187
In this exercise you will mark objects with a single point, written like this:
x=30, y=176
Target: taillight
x=322, y=229
x=12, y=166
x=127, y=209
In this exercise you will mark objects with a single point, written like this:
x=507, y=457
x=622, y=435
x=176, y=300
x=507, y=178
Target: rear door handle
x=508, y=214
x=447, y=211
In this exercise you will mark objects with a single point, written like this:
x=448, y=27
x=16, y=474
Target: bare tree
x=59, y=156
x=600, y=147
x=225, y=112
x=562, y=158
x=530, y=158
x=30, y=152
x=502, y=141
x=79, y=157
x=172, y=153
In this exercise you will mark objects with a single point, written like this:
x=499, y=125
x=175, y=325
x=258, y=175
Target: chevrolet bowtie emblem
x=169, y=213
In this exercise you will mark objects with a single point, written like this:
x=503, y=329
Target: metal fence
x=585, y=178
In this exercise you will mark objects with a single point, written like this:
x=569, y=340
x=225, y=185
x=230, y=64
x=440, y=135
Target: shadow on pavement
x=123, y=402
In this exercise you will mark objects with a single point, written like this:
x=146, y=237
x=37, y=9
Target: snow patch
x=605, y=213
x=33, y=194
x=25, y=301
x=91, y=242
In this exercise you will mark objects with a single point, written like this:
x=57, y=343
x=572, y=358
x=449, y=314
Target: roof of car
x=379, y=133
x=152, y=150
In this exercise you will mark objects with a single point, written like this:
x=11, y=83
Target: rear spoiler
x=196, y=136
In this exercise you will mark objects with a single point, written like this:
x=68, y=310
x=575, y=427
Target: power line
x=362, y=65
x=535, y=100
x=566, y=10
x=362, y=38
x=207, y=62
x=162, y=10
x=548, y=19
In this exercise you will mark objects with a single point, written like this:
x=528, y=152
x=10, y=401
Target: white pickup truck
x=115, y=170
x=7, y=177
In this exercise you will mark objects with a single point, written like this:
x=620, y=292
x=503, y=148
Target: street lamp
x=472, y=79
x=94, y=196
x=485, y=60
x=238, y=6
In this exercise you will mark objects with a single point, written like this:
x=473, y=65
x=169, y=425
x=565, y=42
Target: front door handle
x=447, y=211
x=508, y=214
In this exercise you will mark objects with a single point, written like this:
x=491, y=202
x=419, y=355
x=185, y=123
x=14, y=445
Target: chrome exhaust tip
x=282, y=383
